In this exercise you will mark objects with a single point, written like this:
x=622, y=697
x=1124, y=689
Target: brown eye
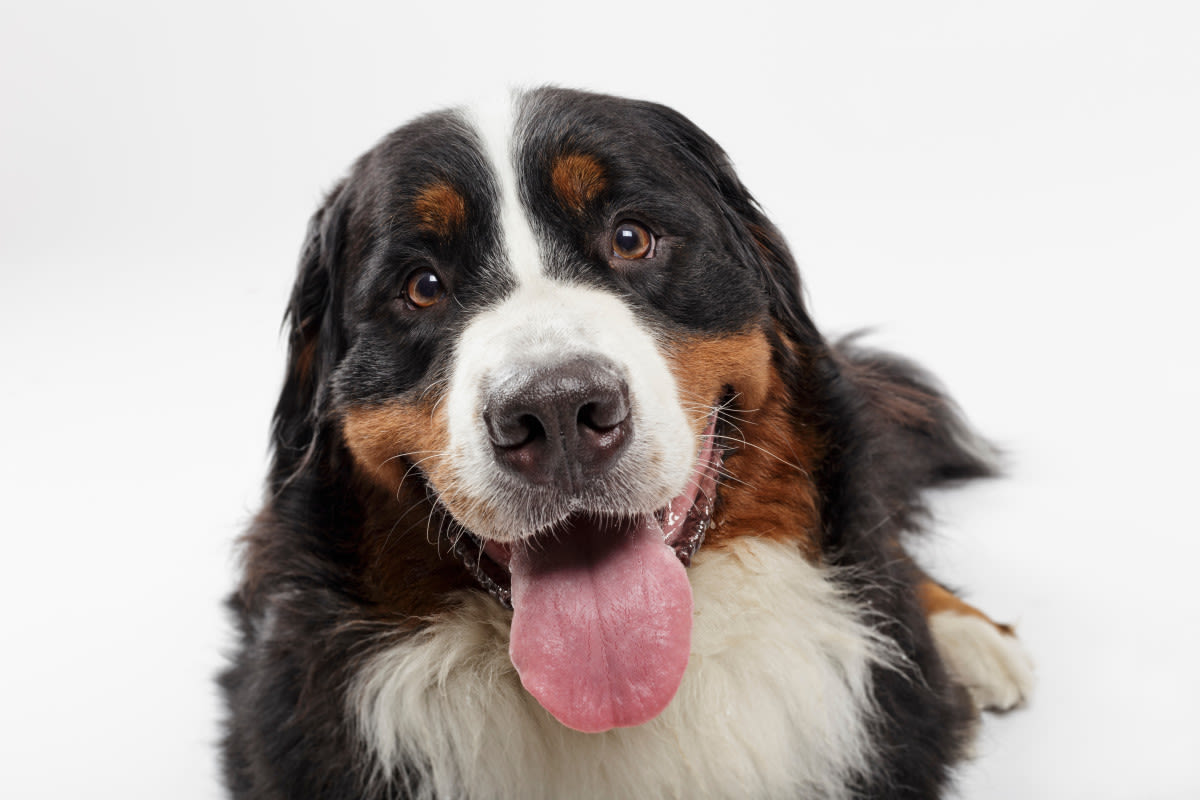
x=424, y=288
x=632, y=241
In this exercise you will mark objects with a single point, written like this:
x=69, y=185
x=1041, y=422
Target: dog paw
x=991, y=664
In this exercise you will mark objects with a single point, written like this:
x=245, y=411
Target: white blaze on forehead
x=541, y=322
x=496, y=123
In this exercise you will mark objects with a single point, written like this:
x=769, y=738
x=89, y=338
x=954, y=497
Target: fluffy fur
x=460, y=264
x=448, y=703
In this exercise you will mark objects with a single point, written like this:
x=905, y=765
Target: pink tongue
x=602, y=623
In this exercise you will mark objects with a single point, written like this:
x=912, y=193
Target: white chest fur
x=775, y=701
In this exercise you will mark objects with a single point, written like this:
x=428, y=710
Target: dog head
x=534, y=336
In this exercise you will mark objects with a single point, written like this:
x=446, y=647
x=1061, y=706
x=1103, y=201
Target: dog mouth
x=684, y=521
x=602, y=606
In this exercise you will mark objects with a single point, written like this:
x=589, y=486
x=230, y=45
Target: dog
x=571, y=499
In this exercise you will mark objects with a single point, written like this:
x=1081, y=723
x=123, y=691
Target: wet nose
x=560, y=424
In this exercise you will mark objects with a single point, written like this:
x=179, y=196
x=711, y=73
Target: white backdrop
x=1007, y=192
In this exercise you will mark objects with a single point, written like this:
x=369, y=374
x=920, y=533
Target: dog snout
x=560, y=424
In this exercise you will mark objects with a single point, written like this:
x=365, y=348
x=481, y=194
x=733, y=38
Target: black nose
x=560, y=424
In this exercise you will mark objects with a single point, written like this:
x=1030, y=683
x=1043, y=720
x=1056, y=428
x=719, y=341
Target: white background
x=1008, y=192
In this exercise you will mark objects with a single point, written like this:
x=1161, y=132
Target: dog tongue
x=602, y=623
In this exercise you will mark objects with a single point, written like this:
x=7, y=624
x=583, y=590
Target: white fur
x=775, y=701
x=495, y=120
x=543, y=322
x=994, y=667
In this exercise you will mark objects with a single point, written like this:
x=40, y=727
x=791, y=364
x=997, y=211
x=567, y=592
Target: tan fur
x=387, y=439
x=441, y=209
x=409, y=569
x=768, y=489
x=577, y=180
x=937, y=599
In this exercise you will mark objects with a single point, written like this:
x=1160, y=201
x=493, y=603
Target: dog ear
x=314, y=341
x=759, y=241
x=778, y=269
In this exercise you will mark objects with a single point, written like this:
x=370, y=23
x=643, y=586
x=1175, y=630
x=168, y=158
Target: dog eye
x=424, y=288
x=632, y=241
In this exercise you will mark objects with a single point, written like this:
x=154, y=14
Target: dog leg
x=984, y=656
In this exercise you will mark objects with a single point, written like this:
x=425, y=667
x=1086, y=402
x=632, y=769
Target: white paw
x=993, y=666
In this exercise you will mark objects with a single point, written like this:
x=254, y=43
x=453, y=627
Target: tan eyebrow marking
x=577, y=180
x=440, y=209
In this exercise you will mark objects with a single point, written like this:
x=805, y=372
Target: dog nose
x=560, y=424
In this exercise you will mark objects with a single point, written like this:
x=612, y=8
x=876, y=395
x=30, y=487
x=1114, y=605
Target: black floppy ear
x=759, y=241
x=314, y=341
x=777, y=267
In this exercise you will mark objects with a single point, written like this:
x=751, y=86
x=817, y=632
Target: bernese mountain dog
x=570, y=498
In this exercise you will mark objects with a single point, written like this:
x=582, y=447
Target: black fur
x=305, y=614
x=896, y=435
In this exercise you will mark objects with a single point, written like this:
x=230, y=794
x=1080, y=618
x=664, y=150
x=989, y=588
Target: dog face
x=540, y=332
x=549, y=373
